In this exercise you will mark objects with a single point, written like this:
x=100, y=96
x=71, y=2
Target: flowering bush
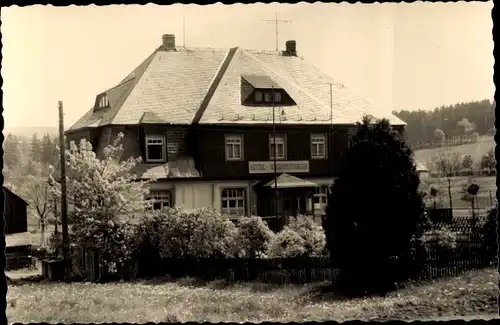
x=200, y=234
x=443, y=240
x=253, y=237
x=107, y=200
x=287, y=243
x=312, y=233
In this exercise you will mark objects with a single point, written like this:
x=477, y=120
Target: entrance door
x=288, y=206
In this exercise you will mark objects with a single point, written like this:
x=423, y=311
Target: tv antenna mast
x=276, y=22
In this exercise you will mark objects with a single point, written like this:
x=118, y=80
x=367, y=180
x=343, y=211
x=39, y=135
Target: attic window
x=102, y=101
x=262, y=90
x=258, y=96
x=277, y=96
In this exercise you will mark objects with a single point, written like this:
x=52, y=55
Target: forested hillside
x=446, y=122
x=26, y=168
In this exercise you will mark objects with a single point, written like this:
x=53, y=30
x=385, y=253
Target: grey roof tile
x=261, y=81
x=175, y=87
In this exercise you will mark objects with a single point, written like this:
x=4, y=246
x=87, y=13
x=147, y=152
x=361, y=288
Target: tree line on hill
x=27, y=163
x=446, y=122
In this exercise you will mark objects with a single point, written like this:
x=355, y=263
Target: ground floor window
x=320, y=199
x=233, y=201
x=161, y=199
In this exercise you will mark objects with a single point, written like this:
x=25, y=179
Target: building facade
x=245, y=132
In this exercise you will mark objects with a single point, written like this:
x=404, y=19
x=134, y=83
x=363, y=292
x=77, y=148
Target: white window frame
x=238, y=194
x=267, y=96
x=156, y=137
x=164, y=197
x=317, y=140
x=321, y=193
x=233, y=140
x=258, y=96
x=277, y=96
x=103, y=101
x=280, y=140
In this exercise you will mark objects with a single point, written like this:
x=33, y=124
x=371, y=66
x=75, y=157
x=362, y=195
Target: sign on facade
x=264, y=167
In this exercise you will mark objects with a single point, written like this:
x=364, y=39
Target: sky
x=397, y=55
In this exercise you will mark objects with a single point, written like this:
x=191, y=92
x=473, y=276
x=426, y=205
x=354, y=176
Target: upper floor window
x=318, y=146
x=277, y=144
x=234, y=147
x=160, y=199
x=155, y=148
x=233, y=201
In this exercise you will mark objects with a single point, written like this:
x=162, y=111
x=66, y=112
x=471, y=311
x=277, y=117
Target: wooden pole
x=64, y=205
x=274, y=156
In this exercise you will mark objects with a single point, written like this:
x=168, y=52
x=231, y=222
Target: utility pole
x=64, y=204
x=276, y=21
x=274, y=158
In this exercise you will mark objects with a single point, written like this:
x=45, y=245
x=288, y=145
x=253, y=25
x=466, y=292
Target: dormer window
x=267, y=96
x=102, y=101
x=261, y=90
x=258, y=96
x=277, y=96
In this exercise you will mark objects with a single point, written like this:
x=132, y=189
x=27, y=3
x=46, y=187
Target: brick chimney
x=168, y=42
x=291, y=48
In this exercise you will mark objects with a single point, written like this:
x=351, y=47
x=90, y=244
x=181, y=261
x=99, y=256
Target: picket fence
x=303, y=270
x=470, y=253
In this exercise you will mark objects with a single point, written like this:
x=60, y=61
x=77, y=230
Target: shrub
x=200, y=234
x=467, y=162
x=363, y=238
x=443, y=240
x=488, y=160
x=253, y=237
x=312, y=233
x=286, y=244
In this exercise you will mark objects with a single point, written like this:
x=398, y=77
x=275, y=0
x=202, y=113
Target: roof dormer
x=261, y=90
x=101, y=101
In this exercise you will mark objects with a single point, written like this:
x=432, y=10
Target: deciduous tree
x=488, y=160
x=448, y=163
x=107, y=200
x=36, y=191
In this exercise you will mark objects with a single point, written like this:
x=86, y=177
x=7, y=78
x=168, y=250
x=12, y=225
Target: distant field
x=476, y=150
x=485, y=197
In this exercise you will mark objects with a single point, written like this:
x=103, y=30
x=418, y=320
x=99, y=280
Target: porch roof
x=289, y=181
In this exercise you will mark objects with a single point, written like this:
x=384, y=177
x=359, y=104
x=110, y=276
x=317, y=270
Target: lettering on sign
x=264, y=167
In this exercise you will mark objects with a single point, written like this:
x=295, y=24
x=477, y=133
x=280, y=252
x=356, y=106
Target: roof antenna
x=276, y=22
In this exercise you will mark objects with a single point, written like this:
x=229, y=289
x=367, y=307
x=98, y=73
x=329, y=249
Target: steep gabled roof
x=8, y=190
x=202, y=85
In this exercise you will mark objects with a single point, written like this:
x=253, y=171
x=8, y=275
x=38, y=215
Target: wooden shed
x=15, y=213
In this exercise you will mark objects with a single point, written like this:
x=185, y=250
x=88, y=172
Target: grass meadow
x=476, y=150
x=472, y=294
